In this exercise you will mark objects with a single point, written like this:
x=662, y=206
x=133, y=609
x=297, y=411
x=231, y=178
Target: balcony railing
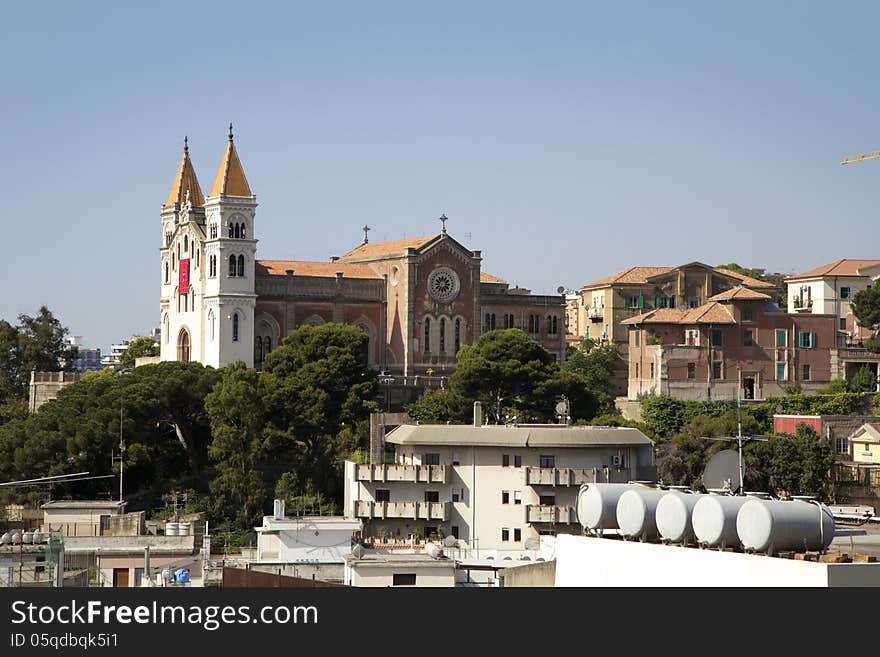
x=803, y=305
x=550, y=513
x=403, y=510
x=596, y=314
x=427, y=474
x=561, y=476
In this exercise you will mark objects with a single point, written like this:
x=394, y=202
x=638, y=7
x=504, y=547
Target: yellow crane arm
x=861, y=158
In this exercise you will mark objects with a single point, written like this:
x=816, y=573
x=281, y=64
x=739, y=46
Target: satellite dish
x=560, y=289
x=450, y=541
x=722, y=469
x=562, y=408
x=358, y=551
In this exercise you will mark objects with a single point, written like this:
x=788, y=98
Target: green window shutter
x=641, y=301
x=657, y=301
x=801, y=335
x=812, y=340
x=780, y=338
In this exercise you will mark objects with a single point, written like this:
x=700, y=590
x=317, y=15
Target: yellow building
x=865, y=443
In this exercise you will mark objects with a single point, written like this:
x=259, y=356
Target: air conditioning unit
x=617, y=461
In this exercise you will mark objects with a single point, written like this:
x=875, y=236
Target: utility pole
x=121, y=452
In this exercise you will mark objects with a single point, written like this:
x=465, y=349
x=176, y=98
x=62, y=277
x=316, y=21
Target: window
x=781, y=338
x=427, y=335
x=442, y=335
x=457, y=494
x=213, y=231
x=716, y=371
x=505, y=534
x=505, y=460
x=235, y=327
x=692, y=337
x=694, y=302
x=403, y=579
x=505, y=497
x=547, y=499
x=806, y=376
x=717, y=339
x=661, y=301
x=748, y=339
x=534, y=324
x=232, y=265
x=231, y=231
x=844, y=293
x=432, y=458
x=842, y=325
x=806, y=340
x=508, y=321
x=432, y=496
x=652, y=370
x=637, y=337
x=517, y=497
x=780, y=371
x=139, y=576
x=517, y=461
x=166, y=271
x=457, y=336
x=490, y=321
x=390, y=455
x=747, y=315
x=636, y=375
x=237, y=230
x=186, y=243
x=517, y=535
x=241, y=265
x=454, y=530
x=243, y=235
x=383, y=495
x=552, y=324
x=842, y=445
x=692, y=370
x=547, y=461
x=456, y=459
x=634, y=301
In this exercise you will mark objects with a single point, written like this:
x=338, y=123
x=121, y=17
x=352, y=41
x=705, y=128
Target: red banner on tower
x=183, y=279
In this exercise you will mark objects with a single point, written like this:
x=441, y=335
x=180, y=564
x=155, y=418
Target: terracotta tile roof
x=842, y=267
x=489, y=278
x=323, y=269
x=382, y=249
x=230, y=178
x=631, y=275
x=740, y=293
x=185, y=180
x=708, y=313
x=748, y=281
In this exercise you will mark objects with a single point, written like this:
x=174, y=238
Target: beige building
x=496, y=489
x=80, y=517
x=606, y=304
x=383, y=570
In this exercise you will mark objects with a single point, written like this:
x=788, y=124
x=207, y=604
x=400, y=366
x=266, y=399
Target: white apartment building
x=496, y=489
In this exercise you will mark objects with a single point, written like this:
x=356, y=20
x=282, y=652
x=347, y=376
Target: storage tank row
x=755, y=523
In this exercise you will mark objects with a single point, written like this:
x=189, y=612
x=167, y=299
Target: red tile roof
x=323, y=269
x=842, y=267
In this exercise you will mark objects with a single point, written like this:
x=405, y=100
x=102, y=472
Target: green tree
x=236, y=408
x=138, y=347
x=800, y=464
x=510, y=373
x=864, y=380
x=865, y=306
x=595, y=364
x=438, y=406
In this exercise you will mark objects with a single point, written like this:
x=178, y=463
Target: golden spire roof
x=230, y=178
x=185, y=181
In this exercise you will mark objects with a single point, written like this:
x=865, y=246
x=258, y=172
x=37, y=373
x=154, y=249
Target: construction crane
x=860, y=158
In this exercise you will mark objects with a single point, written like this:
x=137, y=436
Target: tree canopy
x=140, y=346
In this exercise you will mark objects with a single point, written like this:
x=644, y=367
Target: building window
x=842, y=445
x=490, y=321
x=692, y=370
x=634, y=301
x=748, y=338
x=457, y=336
x=505, y=534
x=694, y=302
x=517, y=535
x=552, y=324
x=456, y=495
x=403, y=579
x=747, y=315
x=383, y=494
x=186, y=244
x=235, y=327
x=432, y=496
x=692, y=337
x=781, y=338
x=505, y=460
x=517, y=497
x=716, y=371
x=780, y=371
x=231, y=231
x=636, y=375
x=508, y=321
x=534, y=324
x=442, y=335
x=427, y=335
x=517, y=461
x=232, y=265
x=241, y=265
x=547, y=499
x=454, y=531
x=843, y=323
x=652, y=370
x=166, y=271
x=637, y=337
x=806, y=340
x=211, y=324
x=844, y=293
x=456, y=459
x=717, y=338
x=213, y=231
x=505, y=497
x=432, y=458
x=547, y=461
x=806, y=376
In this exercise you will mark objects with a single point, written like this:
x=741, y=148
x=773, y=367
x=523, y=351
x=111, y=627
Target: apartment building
x=495, y=488
x=607, y=303
x=739, y=342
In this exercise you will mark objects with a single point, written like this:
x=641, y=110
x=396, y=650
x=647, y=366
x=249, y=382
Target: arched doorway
x=183, y=345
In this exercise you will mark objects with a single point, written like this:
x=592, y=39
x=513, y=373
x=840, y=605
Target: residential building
x=418, y=299
x=607, y=303
x=112, y=360
x=738, y=343
x=87, y=359
x=389, y=569
x=496, y=489
x=837, y=429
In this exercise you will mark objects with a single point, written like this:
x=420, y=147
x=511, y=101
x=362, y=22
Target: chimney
x=478, y=414
x=278, y=509
x=334, y=258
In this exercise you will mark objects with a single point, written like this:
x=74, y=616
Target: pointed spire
x=230, y=178
x=185, y=180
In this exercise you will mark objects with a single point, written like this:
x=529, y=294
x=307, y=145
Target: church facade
x=419, y=300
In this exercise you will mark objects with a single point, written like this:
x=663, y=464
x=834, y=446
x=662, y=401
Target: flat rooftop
x=392, y=560
x=516, y=435
x=84, y=504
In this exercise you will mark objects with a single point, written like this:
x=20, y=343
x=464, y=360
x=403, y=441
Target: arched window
x=243, y=236
x=197, y=254
x=186, y=244
x=442, y=335
x=211, y=325
x=232, y=267
x=178, y=250
x=490, y=321
x=237, y=230
x=183, y=346
x=166, y=271
x=213, y=231
x=457, y=335
x=166, y=329
x=427, y=348
x=241, y=265
x=235, y=327
x=231, y=231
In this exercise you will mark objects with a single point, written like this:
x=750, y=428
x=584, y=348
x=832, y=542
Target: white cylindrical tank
x=597, y=504
x=636, y=513
x=434, y=550
x=38, y=536
x=27, y=537
x=673, y=516
x=714, y=520
x=773, y=526
x=183, y=529
x=172, y=529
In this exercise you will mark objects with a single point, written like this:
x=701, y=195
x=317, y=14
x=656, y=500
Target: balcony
x=402, y=510
x=802, y=305
x=596, y=314
x=561, y=476
x=550, y=513
x=419, y=474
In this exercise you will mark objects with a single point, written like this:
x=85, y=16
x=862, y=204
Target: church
x=419, y=299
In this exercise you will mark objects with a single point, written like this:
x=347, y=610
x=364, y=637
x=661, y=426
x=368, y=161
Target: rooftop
x=643, y=275
x=392, y=560
x=709, y=313
x=84, y=504
x=515, y=435
x=842, y=267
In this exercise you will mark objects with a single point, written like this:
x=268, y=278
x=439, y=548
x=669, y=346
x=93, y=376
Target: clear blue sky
x=569, y=140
